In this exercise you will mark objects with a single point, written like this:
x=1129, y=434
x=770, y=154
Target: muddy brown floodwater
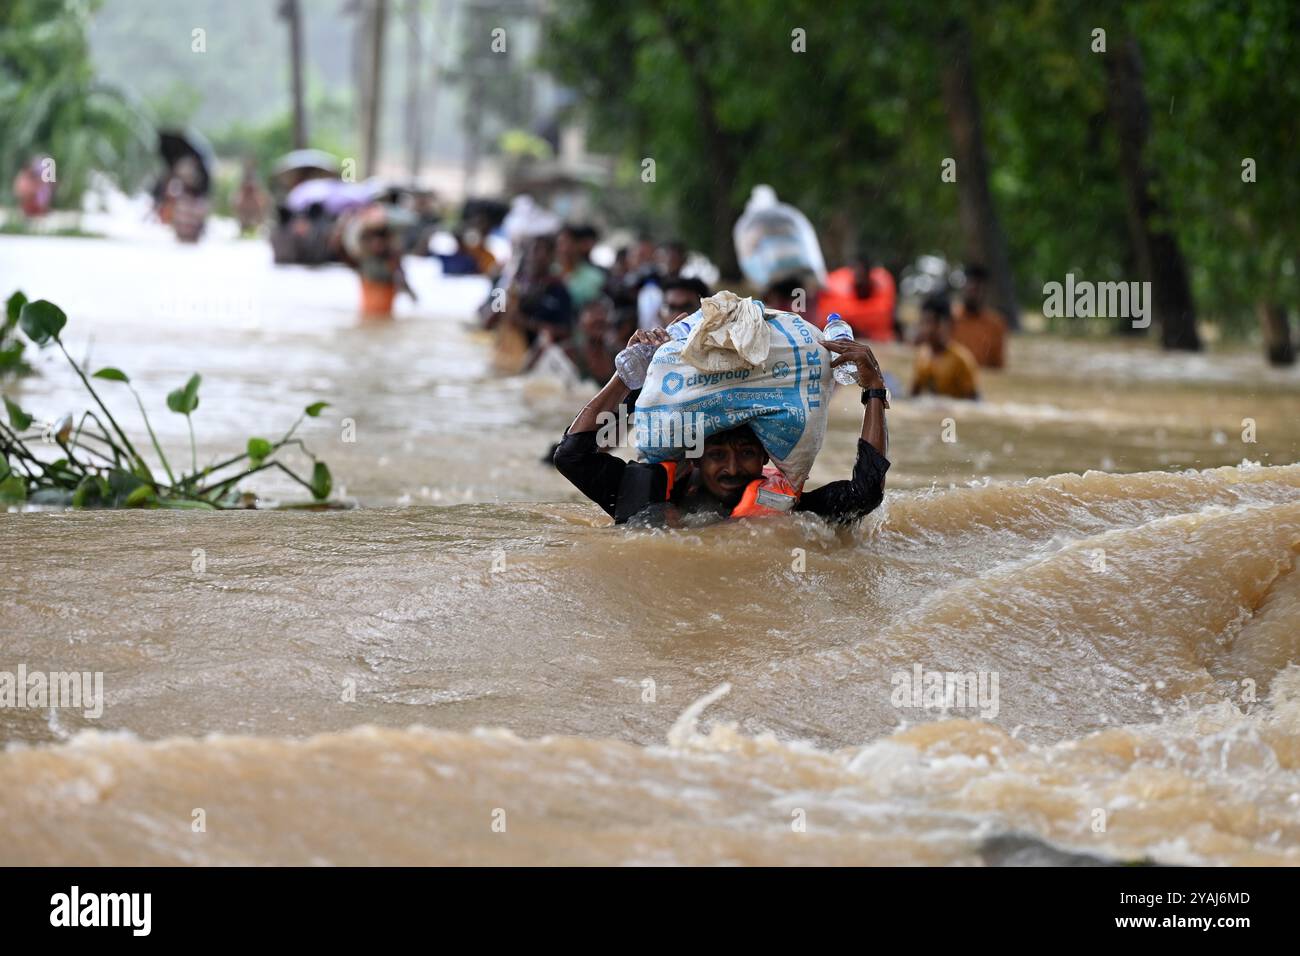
x=1098, y=551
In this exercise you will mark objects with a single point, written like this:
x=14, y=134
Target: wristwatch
x=881, y=393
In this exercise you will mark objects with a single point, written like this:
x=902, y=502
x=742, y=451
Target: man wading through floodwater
x=727, y=477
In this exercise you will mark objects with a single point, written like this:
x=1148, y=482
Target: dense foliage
x=853, y=129
x=52, y=103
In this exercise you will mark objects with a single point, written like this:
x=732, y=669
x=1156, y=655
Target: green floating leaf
x=186, y=504
x=185, y=400
x=258, y=450
x=315, y=408
x=112, y=375
x=321, y=482
x=141, y=496
x=13, y=309
x=91, y=490
x=18, y=418
x=42, y=321
x=61, y=472
x=123, y=484
x=13, y=489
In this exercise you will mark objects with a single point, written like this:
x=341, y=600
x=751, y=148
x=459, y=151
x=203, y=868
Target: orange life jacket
x=770, y=495
x=377, y=298
x=870, y=318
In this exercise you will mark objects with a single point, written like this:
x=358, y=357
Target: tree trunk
x=414, y=124
x=473, y=67
x=435, y=72
x=292, y=14
x=1274, y=322
x=374, y=93
x=473, y=130
x=1156, y=250
x=723, y=150
x=982, y=233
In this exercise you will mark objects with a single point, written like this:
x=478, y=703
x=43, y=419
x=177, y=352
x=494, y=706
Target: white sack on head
x=731, y=334
x=783, y=398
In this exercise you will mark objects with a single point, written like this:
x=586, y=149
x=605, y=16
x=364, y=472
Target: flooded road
x=473, y=667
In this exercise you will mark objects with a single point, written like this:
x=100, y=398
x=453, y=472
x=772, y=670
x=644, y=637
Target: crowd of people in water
x=553, y=306
x=554, y=296
x=551, y=297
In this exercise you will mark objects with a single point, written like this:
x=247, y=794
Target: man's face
x=595, y=319
x=566, y=246
x=541, y=254
x=670, y=260
x=677, y=301
x=973, y=294
x=862, y=279
x=726, y=468
x=375, y=239
x=932, y=332
x=642, y=253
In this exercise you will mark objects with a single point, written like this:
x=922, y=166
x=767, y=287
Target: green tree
x=51, y=102
x=1225, y=77
x=841, y=107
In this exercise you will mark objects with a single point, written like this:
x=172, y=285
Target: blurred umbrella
x=306, y=159
x=175, y=145
x=334, y=195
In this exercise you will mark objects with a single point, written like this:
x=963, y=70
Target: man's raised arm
x=847, y=501
x=578, y=458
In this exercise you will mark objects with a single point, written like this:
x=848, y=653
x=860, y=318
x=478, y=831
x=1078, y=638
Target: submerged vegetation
x=99, y=466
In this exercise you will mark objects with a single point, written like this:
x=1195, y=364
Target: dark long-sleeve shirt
x=624, y=488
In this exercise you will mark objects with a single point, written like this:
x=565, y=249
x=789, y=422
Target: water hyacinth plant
x=12, y=347
x=101, y=468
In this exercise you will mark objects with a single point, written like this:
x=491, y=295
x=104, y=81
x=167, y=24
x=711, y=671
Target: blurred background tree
x=1114, y=141
x=1115, y=155
x=52, y=102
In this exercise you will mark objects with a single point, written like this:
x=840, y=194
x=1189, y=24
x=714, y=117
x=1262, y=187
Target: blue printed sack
x=783, y=397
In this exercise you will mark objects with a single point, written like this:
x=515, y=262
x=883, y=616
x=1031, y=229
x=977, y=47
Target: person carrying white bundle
x=754, y=382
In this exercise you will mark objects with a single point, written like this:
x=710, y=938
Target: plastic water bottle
x=840, y=331
x=681, y=329
x=634, y=361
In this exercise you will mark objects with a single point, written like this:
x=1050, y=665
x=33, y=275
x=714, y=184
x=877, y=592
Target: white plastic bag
x=775, y=241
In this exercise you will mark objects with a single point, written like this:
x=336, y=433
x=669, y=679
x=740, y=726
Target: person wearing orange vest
x=732, y=477
x=378, y=263
x=864, y=295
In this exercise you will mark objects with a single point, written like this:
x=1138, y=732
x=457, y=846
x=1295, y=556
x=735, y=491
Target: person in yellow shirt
x=943, y=366
x=977, y=325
